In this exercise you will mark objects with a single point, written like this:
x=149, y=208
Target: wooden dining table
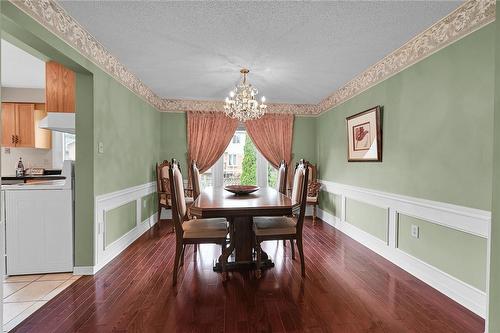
x=239, y=210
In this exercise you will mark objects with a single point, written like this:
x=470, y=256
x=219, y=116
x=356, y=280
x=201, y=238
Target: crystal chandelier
x=242, y=101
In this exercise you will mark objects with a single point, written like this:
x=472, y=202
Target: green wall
x=330, y=203
x=369, y=218
x=435, y=245
x=149, y=206
x=107, y=112
x=173, y=139
x=129, y=128
x=437, y=128
x=119, y=221
x=494, y=281
x=437, y=124
x=304, y=139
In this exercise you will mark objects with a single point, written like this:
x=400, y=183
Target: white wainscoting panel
x=473, y=221
x=103, y=253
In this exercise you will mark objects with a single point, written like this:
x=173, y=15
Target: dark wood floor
x=348, y=288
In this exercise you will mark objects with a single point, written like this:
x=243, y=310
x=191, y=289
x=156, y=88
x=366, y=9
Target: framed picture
x=364, y=136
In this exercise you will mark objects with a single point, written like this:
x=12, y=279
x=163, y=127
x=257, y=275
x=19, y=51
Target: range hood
x=59, y=122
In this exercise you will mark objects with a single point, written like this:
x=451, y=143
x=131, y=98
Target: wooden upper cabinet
x=25, y=125
x=20, y=126
x=8, y=124
x=59, y=88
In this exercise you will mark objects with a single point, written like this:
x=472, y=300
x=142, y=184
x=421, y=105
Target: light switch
x=100, y=148
x=414, y=231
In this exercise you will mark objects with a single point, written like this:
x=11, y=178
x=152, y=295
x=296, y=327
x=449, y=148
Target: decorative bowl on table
x=241, y=189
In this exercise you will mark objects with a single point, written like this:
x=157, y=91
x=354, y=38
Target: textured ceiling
x=298, y=52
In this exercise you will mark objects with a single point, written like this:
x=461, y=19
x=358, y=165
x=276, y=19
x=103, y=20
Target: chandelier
x=242, y=101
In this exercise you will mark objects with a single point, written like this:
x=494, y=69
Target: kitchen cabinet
x=59, y=88
x=8, y=124
x=20, y=126
x=38, y=231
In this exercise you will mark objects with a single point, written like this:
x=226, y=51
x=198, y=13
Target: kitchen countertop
x=42, y=185
x=34, y=177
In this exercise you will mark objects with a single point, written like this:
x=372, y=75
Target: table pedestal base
x=236, y=266
x=242, y=244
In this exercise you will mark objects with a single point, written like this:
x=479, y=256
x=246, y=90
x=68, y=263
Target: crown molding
x=469, y=17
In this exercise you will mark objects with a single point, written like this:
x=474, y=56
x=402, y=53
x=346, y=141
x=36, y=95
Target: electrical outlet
x=414, y=231
x=143, y=203
x=100, y=148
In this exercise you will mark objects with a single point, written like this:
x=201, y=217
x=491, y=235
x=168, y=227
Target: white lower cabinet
x=39, y=231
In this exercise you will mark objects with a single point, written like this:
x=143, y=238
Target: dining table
x=239, y=210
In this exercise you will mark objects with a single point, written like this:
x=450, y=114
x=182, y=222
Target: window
x=272, y=175
x=69, y=151
x=236, y=138
x=232, y=159
x=241, y=164
x=207, y=178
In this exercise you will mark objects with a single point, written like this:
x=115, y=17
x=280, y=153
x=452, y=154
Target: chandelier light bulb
x=263, y=99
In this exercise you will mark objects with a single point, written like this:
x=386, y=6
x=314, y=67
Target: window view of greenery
x=272, y=176
x=249, y=164
x=240, y=161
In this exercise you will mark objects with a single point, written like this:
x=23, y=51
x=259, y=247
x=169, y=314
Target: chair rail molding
x=469, y=220
x=467, y=18
x=103, y=253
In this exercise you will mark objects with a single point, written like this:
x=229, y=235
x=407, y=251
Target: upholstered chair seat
x=274, y=225
x=205, y=228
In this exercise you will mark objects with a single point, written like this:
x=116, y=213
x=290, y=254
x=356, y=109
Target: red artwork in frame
x=364, y=136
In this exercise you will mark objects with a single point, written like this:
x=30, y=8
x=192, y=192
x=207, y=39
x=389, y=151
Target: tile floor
x=24, y=294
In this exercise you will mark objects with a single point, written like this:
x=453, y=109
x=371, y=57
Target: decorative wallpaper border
x=200, y=105
x=470, y=16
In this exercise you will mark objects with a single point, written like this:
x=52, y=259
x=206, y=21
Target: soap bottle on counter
x=20, y=168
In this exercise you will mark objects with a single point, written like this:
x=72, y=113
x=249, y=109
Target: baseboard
x=83, y=270
x=461, y=292
x=117, y=247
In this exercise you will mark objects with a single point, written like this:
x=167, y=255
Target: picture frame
x=364, y=136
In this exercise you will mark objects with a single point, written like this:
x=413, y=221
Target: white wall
x=31, y=158
x=23, y=95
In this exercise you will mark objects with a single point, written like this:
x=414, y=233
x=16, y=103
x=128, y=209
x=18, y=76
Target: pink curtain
x=209, y=133
x=272, y=135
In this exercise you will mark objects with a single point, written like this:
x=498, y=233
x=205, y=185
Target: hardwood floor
x=348, y=288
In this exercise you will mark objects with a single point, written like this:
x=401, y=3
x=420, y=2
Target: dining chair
x=283, y=227
x=195, y=180
x=199, y=231
x=163, y=188
x=282, y=176
x=313, y=188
